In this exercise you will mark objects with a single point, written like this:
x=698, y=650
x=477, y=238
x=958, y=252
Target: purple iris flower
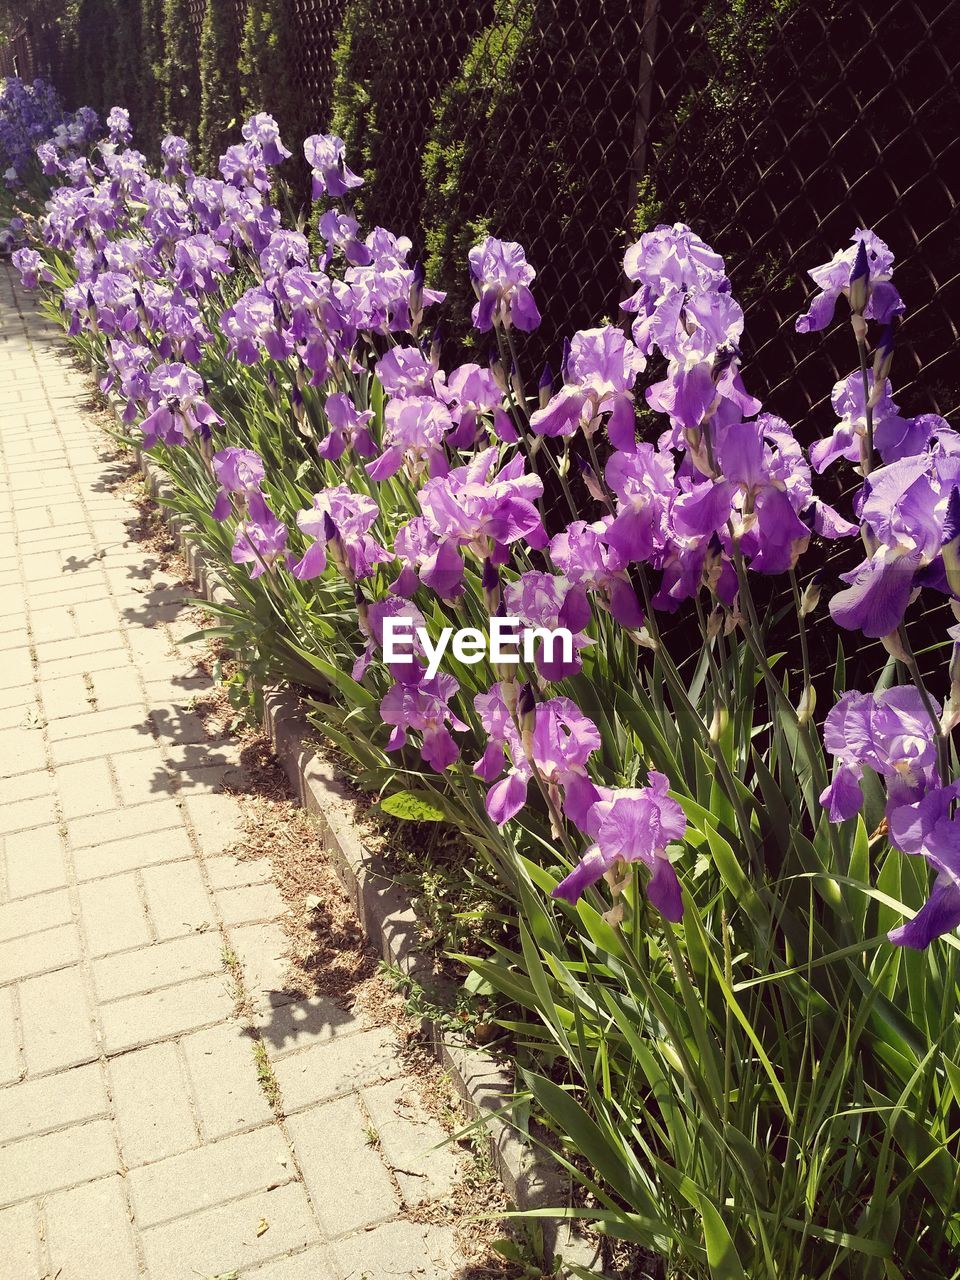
x=31, y=267
x=406, y=371
x=284, y=251
x=644, y=484
x=501, y=278
x=263, y=131
x=340, y=521
x=589, y=564
x=546, y=601
x=673, y=258
x=909, y=516
x=49, y=158
x=118, y=123
x=929, y=828
x=424, y=708
x=888, y=732
x=349, y=429
x=833, y=279
x=261, y=538
x=633, y=825
x=483, y=511
x=559, y=744
x=239, y=473
x=181, y=410
x=372, y=618
x=243, y=165
x=251, y=328
x=413, y=435
x=388, y=295
x=339, y=231
x=198, y=263
x=599, y=372
x=331, y=177
x=131, y=364
x=894, y=436
x=473, y=394
x=176, y=156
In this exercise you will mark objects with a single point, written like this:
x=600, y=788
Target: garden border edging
x=388, y=920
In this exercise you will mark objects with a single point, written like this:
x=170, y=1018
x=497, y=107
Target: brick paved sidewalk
x=135, y=1139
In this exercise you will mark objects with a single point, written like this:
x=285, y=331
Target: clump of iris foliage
x=735, y=908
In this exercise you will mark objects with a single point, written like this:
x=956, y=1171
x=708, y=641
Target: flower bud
x=363, y=611
x=860, y=280
x=526, y=717
x=496, y=368
x=882, y=361
x=436, y=342
x=545, y=386
x=719, y=723
x=950, y=549
x=491, y=586
x=336, y=549
x=808, y=703
x=714, y=623
x=811, y=596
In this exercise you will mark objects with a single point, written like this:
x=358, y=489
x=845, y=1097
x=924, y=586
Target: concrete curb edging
x=389, y=922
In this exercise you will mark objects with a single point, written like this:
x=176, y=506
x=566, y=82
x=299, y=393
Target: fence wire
x=773, y=127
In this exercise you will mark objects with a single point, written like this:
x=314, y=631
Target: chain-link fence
x=773, y=127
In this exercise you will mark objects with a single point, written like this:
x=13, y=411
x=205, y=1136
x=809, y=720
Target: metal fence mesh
x=773, y=127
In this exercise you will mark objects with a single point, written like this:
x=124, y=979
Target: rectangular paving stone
x=20, y=1243
x=210, y=1175
x=250, y=903
x=234, y=873
x=89, y=1234
x=214, y=818
x=39, y=953
x=152, y=1104
x=132, y=853
x=354, y=1190
x=177, y=899
x=26, y=786
x=56, y=1026
x=226, y=1092
x=33, y=1106
x=339, y=1067
x=30, y=915
x=159, y=815
x=429, y=1252
x=101, y=720
x=141, y=1020
x=113, y=915
x=311, y=1264
x=36, y=1166
x=77, y=664
x=222, y=1239
x=262, y=950
x=412, y=1142
x=302, y=1023
x=35, y=862
x=85, y=788
x=142, y=776
x=162, y=964
x=116, y=688
x=21, y=815
x=9, y=1038
x=95, y=745
x=23, y=749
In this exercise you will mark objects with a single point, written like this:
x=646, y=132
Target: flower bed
x=716, y=947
